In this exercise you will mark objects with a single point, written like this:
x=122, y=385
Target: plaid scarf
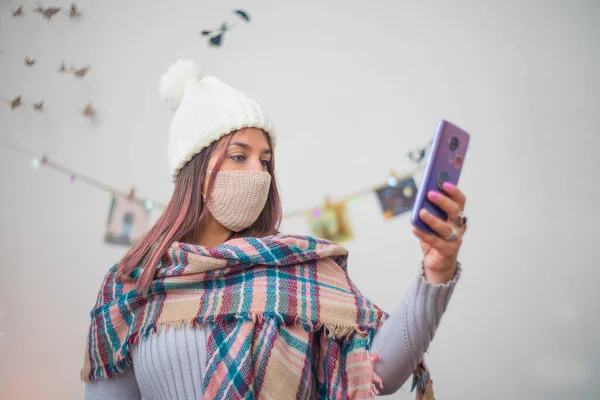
x=286, y=320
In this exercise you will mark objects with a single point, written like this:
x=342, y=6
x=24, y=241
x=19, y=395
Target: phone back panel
x=444, y=163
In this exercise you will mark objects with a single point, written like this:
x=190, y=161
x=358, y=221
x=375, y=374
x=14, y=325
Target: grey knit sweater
x=170, y=365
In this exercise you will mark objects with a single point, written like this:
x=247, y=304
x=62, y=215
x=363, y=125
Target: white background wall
x=351, y=86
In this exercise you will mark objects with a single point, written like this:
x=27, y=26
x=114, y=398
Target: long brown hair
x=186, y=213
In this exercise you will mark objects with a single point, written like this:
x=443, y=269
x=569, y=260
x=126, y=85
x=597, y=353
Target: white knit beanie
x=206, y=109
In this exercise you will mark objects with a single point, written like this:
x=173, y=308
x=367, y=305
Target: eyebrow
x=248, y=147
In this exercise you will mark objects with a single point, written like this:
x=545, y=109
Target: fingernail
x=448, y=185
x=424, y=213
x=434, y=195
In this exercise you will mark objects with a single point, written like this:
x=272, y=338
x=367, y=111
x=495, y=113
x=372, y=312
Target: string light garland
x=149, y=204
x=353, y=197
x=74, y=177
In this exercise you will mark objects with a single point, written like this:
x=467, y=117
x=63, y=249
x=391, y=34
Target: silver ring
x=460, y=220
x=453, y=235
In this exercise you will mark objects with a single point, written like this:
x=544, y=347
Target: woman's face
x=248, y=150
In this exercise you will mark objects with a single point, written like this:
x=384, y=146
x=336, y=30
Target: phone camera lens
x=454, y=143
x=444, y=176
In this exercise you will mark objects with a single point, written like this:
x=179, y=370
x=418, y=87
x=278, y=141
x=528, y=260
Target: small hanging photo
x=330, y=222
x=128, y=221
x=398, y=198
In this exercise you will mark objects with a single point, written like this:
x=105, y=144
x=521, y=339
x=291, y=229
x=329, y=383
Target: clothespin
x=131, y=195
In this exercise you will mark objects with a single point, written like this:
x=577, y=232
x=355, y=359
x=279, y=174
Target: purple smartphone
x=444, y=163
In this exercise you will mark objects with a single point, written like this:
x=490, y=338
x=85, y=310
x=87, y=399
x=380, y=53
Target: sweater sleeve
x=122, y=386
x=404, y=337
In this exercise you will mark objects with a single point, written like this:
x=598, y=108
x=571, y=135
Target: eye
x=266, y=163
x=238, y=158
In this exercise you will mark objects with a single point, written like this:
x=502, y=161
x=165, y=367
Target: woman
x=214, y=303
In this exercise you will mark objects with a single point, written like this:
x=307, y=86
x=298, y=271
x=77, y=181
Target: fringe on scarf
x=123, y=358
x=373, y=358
x=422, y=382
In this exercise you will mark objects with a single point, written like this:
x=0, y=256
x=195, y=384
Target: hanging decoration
x=398, y=196
x=128, y=220
x=15, y=102
x=81, y=72
x=74, y=12
x=47, y=13
x=89, y=111
x=330, y=221
x=243, y=14
x=77, y=72
x=215, y=36
x=39, y=106
x=18, y=12
x=417, y=155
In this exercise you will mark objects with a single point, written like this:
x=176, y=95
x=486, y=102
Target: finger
x=455, y=194
x=429, y=238
x=443, y=228
x=445, y=203
x=443, y=246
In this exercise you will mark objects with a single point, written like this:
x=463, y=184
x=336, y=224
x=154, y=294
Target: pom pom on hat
x=172, y=83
